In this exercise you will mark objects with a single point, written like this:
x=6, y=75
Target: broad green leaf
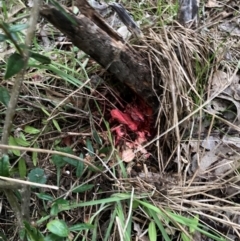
x=83, y=188
x=44, y=196
x=22, y=168
x=22, y=136
x=3, y=37
x=12, y=142
x=31, y=130
x=53, y=237
x=4, y=166
x=37, y=175
x=69, y=160
x=15, y=64
x=58, y=227
x=54, y=210
x=4, y=96
x=32, y=233
x=152, y=232
x=40, y=58
x=60, y=161
x=21, y=142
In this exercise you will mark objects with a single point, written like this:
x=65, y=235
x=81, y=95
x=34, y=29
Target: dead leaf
x=231, y=27
x=213, y=4
x=216, y=161
x=140, y=233
x=210, y=143
x=128, y=155
x=232, y=140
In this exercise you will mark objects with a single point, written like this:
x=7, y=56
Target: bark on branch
x=91, y=34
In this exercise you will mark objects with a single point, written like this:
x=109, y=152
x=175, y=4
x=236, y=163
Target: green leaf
x=157, y=221
x=105, y=150
x=44, y=196
x=37, y=175
x=3, y=37
x=35, y=155
x=195, y=222
x=22, y=234
x=45, y=111
x=58, y=227
x=21, y=142
x=83, y=188
x=12, y=142
x=97, y=137
x=54, y=210
x=152, y=232
x=89, y=147
x=135, y=205
x=31, y=130
x=53, y=237
x=40, y=58
x=60, y=161
x=3, y=237
x=62, y=201
x=80, y=226
x=4, y=96
x=55, y=123
x=18, y=27
x=61, y=74
x=22, y=168
x=80, y=167
x=185, y=237
x=4, y=166
x=32, y=233
x=15, y=64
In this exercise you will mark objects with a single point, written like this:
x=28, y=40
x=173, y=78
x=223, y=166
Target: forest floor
x=120, y=174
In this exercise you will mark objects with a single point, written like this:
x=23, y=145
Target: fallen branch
x=91, y=34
